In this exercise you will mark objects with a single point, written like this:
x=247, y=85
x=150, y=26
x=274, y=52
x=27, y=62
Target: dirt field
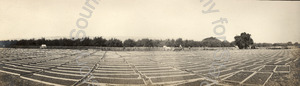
x=263, y=67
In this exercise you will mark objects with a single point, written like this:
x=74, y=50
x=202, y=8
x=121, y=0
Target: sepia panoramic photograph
x=149, y=42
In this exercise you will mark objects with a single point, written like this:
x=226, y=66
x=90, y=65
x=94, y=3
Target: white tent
x=43, y=46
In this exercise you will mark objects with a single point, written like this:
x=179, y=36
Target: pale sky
x=267, y=21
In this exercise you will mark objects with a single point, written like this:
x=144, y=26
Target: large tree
x=211, y=42
x=243, y=41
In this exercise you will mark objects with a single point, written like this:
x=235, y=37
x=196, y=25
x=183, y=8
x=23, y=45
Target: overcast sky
x=267, y=21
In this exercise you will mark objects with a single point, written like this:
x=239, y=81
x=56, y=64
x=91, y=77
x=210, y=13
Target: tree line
x=113, y=42
x=242, y=41
x=245, y=41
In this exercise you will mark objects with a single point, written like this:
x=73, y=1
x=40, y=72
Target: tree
x=296, y=44
x=129, y=43
x=7, y=43
x=211, y=42
x=189, y=43
x=232, y=44
x=113, y=43
x=178, y=42
x=99, y=41
x=266, y=44
x=170, y=43
x=41, y=41
x=243, y=41
x=157, y=43
x=145, y=43
x=225, y=43
x=86, y=42
x=289, y=43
